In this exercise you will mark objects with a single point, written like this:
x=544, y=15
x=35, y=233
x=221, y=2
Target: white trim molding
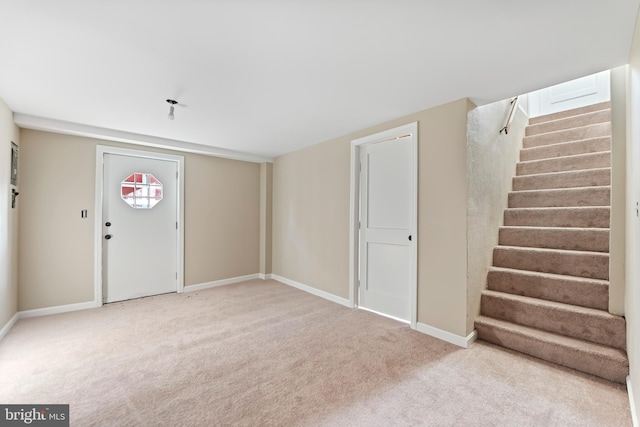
x=354, y=213
x=458, y=340
x=6, y=328
x=312, y=290
x=632, y=403
x=68, y=128
x=56, y=309
x=223, y=282
x=266, y=276
x=101, y=150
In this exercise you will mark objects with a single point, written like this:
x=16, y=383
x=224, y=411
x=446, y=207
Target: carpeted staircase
x=547, y=293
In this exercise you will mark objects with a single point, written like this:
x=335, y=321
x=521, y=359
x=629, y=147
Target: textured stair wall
x=491, y=164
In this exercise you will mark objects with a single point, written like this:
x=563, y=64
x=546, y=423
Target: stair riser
x=566, y=149
x=608, y=331
x=572, y=358
x=570, y=239
x=588, y=196
x=570, y=113
x=588, y=178
x=596, y=217
x=575, y=134
x=587, y=264
x=547, y=292
x=569, y=122
x=583, y=293
x=565, y=164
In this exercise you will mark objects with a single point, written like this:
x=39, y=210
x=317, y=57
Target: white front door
x=387, y=207
x=140, y=235
x=576, y=93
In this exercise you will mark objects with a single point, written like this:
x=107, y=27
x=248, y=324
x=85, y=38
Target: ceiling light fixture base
x=171, y=102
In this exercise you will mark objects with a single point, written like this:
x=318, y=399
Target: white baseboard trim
x=632, y=403
x=56, y=309
x=312, y=290
x=6, y=328
x=458, y=340
x=266, y=276
x=93, y=304
x=223, y=282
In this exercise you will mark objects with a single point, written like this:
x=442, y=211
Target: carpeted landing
x=261, y=353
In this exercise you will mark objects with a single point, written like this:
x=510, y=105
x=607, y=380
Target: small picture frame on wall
x=14, y=164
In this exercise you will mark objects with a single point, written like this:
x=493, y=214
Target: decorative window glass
x=141, y=190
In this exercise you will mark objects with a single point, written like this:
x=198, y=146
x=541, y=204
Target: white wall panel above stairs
x=584, y=91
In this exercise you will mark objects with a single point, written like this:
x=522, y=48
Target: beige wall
x=491, y=165
x=9, y=132
x=311, y=214
x=222, y=218
x=618, y=189
x=56, y=244
x=632, y=308
x=442, y=217
x=266, y=208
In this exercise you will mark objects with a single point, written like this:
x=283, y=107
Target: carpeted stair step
x=585, y=217
x=567, y=135
x=560, y=197
x=568, y=113
x=570, y=179
x=583, y=323
x=576, y=239
x=595, y=359
x=585, y=119
x=584, y=146
x=579, y=291
x=563, y=164
x=593, y=265
x=547, y=291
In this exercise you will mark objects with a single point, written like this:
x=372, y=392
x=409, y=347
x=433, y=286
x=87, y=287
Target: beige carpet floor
x=260, y=353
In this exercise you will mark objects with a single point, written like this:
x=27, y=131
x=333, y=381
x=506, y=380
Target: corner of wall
x=618, y=78
x=470, y=105
x=632, y=228
x=9, y=133
x=266, y=197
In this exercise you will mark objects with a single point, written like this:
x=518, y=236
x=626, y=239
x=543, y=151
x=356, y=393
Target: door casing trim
x=101, y=150
x=354, y=213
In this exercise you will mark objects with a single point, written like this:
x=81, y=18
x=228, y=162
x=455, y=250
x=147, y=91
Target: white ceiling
x=270, y=76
